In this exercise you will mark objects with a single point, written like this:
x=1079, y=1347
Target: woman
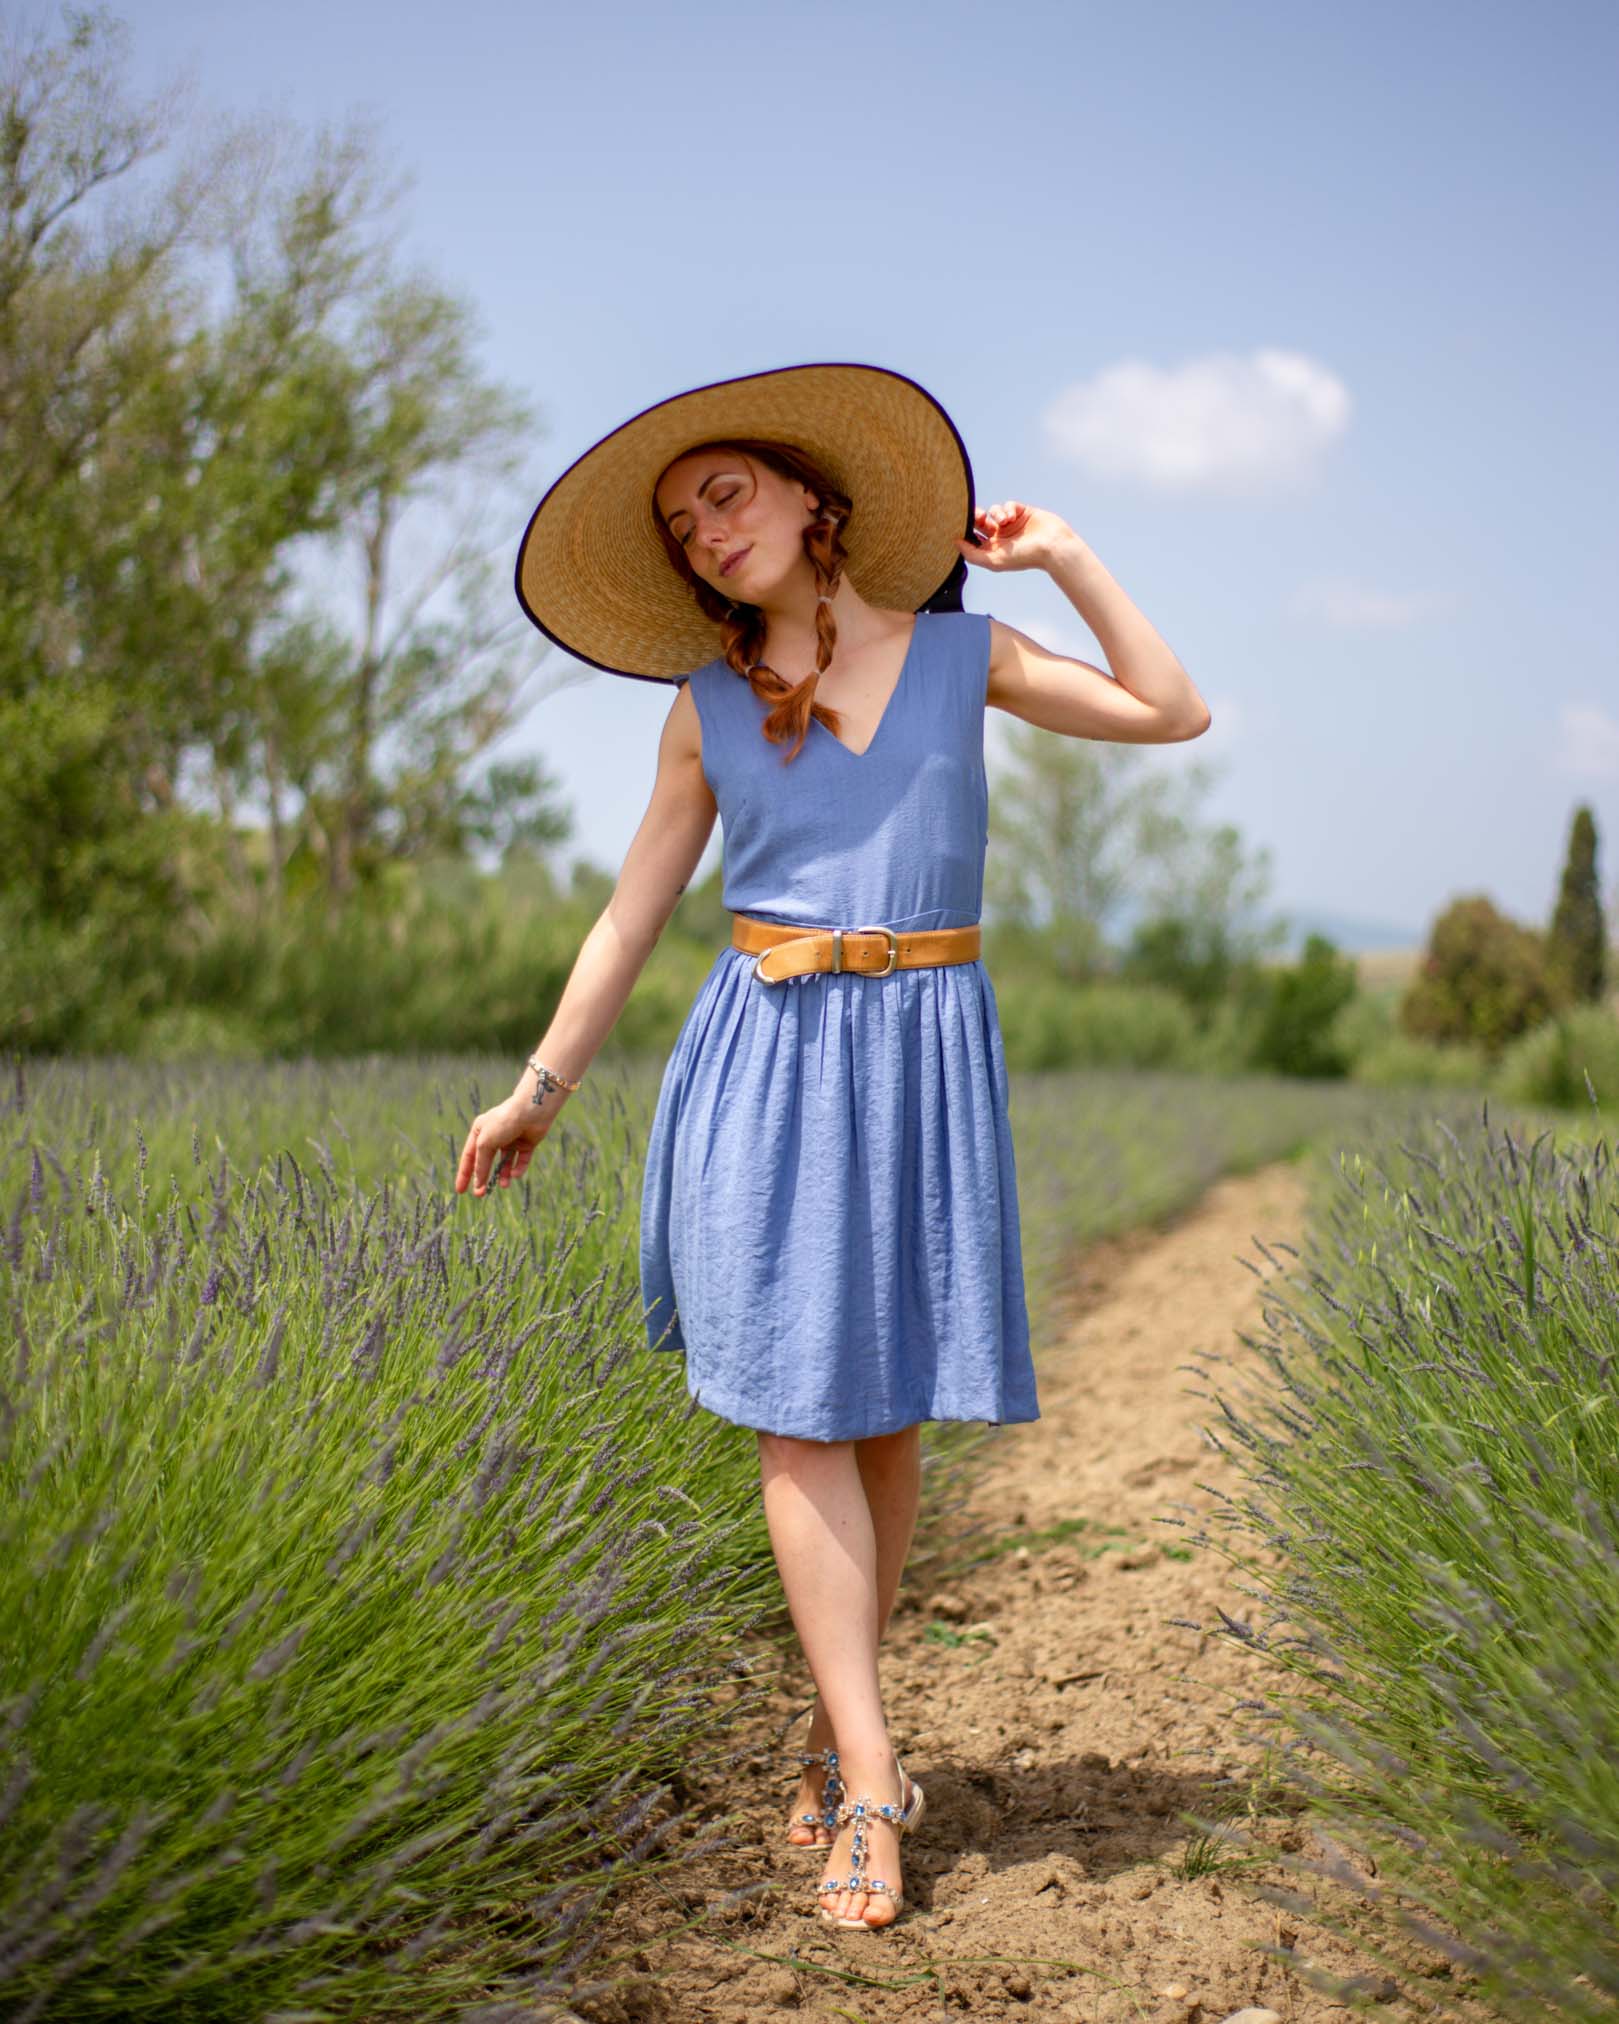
x=829, y=1229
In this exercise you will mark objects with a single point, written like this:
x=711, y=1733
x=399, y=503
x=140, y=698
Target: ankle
x=875, y=1776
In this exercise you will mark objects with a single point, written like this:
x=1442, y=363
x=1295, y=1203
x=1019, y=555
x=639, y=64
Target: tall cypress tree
x=1577, y=940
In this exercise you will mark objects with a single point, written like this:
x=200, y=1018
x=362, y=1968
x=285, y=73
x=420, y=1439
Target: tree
x=1483, y=979
x=1202, y=927
x=1076, y=832
x=1576, y=945
x=1302, y=1001
x=211, y=381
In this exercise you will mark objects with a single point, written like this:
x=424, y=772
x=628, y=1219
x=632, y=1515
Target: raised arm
x=657, y=869
x=1148, y=699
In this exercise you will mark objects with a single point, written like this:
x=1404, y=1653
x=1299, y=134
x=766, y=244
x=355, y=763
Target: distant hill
x=1354, y=936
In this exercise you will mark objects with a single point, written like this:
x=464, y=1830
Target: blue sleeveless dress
x=829, y=1213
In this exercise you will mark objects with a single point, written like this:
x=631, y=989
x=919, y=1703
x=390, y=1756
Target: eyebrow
x=722, y=472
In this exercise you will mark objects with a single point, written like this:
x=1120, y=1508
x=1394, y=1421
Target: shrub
x=1400, y=1062
x=1301, y=1001
x=1192, y=959
x=1483, y=979
x=1432, y=1484
x=1550, y=1064
x=1047, y=1024
x=366, y=1586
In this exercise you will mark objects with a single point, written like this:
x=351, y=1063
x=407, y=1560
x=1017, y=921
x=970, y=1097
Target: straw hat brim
x=593, y=575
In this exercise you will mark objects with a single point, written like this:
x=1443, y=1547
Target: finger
x=463, y=1172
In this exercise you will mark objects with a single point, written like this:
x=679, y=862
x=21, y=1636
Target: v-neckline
x=888, y=707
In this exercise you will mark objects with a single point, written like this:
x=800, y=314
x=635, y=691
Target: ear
x=811, y=501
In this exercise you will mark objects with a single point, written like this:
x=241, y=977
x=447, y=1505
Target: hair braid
x=742, y=627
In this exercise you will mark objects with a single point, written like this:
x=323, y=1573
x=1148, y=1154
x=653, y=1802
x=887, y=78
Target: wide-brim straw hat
x=594, y=576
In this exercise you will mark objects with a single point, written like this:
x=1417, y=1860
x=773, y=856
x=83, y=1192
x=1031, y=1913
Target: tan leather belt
x=870, y=952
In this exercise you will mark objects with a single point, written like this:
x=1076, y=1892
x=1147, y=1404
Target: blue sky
x=1303, y=316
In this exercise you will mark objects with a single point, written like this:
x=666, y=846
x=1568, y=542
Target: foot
x=880, y=1855
x=811, y=1798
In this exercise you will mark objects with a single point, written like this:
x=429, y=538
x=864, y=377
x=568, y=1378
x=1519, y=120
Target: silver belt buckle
x=875, y=928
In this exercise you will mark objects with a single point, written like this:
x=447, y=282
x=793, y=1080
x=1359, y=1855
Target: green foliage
x=1483, y=979
x=1049, y=1024
x=1577, y=943
x=1193, y=958
x=1400, y=1062
x=1432, y=1483
x=1551, y=1064
x=1382, y=1056
x=1300, y=1005
x=457, y=965
x=1079, y=828
x=209, y=385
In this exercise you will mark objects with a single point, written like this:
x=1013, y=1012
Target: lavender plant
x=1431, y=1465
x=372, y=1601
x=366, y=1594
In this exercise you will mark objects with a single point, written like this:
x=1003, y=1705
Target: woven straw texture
x=592, y=573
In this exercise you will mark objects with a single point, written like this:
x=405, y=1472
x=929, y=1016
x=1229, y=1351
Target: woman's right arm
x=657, y=869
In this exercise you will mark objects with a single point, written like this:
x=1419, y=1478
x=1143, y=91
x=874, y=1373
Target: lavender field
x=369, y=1591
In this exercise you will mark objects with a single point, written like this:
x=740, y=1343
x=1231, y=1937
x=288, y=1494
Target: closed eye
x=723, y=500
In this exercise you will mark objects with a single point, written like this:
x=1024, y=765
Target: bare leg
x=841, y=1515
x=891, y=1471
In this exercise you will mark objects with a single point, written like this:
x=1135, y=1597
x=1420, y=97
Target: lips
x=731, y=561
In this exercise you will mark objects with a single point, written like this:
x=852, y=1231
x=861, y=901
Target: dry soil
x=1060, y=1724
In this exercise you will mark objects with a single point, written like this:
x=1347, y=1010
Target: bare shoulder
x=683, y=727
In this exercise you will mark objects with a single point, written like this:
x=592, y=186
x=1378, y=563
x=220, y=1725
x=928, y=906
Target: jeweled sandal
x=831, y=1796
x=860, y=1811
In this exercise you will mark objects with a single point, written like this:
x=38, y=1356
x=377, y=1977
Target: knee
x=897, y=1446
x=793, y=1455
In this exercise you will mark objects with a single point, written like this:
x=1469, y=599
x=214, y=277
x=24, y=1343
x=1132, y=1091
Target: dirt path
x=1056, y=1719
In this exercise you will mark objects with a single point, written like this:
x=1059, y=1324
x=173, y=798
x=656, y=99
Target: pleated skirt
x=829, y=1215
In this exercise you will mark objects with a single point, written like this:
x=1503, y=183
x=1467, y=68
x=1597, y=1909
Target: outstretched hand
x=512, y=1130
x=1013, y=536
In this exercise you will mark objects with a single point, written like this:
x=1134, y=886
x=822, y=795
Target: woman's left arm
x=1148, y=699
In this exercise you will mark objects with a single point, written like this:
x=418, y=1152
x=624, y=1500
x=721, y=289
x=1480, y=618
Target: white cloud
x=1223, y=424
x=1588, y=742
x=1339, y=602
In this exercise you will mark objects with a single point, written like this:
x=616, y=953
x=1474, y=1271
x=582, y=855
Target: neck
x=790, y=623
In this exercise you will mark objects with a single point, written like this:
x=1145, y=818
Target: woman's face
x=722, y=507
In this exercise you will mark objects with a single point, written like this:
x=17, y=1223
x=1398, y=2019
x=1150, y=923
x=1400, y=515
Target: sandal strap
x=867, y=1809
x=834, y=1884
x=831, y=1790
